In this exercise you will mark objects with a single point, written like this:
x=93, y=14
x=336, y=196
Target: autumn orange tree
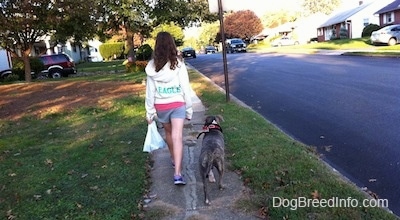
x=242, y=24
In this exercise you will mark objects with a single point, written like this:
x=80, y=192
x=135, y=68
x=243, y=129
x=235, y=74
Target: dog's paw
x=207, y=202
x=221, y=187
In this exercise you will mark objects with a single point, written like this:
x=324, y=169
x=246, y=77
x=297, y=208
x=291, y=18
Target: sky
x=260, y=7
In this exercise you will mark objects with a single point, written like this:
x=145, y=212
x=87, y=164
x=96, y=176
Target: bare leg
x=168, y=137
x=177, y=143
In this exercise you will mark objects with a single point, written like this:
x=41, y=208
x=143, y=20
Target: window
x=366, y=21
x=388, y=18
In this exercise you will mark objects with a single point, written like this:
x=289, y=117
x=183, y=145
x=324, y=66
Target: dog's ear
x=220, y=118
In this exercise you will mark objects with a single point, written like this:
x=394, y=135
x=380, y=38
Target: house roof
x=395, y=5
x=344, y=15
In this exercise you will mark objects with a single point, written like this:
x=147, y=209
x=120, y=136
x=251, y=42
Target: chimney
x=360, y=2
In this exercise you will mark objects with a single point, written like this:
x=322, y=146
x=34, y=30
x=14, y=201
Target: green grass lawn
x=361, y=44
x=89, y=164
x=105, y=66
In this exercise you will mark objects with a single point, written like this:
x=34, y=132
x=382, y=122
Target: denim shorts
x=165, y=116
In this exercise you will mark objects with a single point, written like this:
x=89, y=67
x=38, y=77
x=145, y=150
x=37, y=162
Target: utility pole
x=222, y=31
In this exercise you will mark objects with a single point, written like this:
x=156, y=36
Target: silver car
x=284, y=41
x=389, y=35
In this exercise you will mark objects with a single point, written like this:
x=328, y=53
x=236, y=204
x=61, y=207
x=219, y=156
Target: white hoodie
x=167, y=86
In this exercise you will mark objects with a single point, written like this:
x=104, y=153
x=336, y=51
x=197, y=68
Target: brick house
x=390, y=14
x=350, y=23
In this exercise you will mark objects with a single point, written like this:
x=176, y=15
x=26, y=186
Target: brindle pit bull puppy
x=212, y=153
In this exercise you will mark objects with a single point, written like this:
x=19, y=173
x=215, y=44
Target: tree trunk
x=27, y=65
x=129, y=43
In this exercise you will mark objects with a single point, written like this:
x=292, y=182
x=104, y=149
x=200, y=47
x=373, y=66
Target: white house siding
x=357, y=20
x=354, y=18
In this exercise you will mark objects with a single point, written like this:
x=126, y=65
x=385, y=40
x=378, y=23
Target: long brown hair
x=165, y=50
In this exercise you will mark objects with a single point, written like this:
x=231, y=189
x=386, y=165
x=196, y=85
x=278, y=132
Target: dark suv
x=58, y=65
x=235, y=45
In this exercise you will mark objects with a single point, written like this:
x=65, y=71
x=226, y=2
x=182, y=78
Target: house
x=304, y=29
x=350, y=23
x=88, y=52
x=390, y=14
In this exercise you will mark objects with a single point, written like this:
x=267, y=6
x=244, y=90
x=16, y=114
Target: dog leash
x=207, y=129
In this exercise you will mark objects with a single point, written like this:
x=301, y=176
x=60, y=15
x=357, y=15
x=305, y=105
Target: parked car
x=210, y=49
x=284, y=41
x=5, y=63
x=188, y=52
x=235, y=45
x=389, y=35
x=58, y=65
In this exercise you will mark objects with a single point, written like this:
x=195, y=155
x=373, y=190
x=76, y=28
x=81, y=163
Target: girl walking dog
x=168, y=97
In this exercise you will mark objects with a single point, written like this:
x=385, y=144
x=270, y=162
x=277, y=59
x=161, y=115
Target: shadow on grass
x=85, y=164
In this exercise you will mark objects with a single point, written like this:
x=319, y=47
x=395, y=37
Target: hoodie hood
x=165, y=74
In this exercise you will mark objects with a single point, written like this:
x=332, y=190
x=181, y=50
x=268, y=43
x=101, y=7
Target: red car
x=58, y=65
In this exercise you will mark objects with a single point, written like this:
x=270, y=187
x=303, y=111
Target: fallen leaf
x=263, y=212
x=328, y=148
x=265, y=185
x=94, y=187
x=246, y=181
x=374, y=195
x=49, y=162
x=315, y=194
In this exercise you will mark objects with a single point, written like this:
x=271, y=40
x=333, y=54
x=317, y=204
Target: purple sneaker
x=178, y=180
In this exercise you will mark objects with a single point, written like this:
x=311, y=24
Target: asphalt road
x=346, y=106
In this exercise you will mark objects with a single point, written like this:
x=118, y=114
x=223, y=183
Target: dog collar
x=207, y=129
x=212, y=126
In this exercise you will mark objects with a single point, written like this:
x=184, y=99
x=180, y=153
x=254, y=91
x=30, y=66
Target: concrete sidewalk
x=187, y=202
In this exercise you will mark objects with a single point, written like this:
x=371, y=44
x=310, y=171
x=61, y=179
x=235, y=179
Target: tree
x=128, y=16
x=81, y=25
x=139, y=16
x=173, y=29
x=22, y=23
x=182, y=12
x=324, y=6
x=242, y=24
x=209, y=33
x=276, y=18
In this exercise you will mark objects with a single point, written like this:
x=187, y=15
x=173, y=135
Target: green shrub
x=343, y=34
x=36, y=65
x=110, y=51
x=19, y=68
x=11, y=78
x=367, y=31
x=144, y=52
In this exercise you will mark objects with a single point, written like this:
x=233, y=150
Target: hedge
x=110, y=51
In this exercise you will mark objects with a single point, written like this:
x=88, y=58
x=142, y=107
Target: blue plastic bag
x=153, y=139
